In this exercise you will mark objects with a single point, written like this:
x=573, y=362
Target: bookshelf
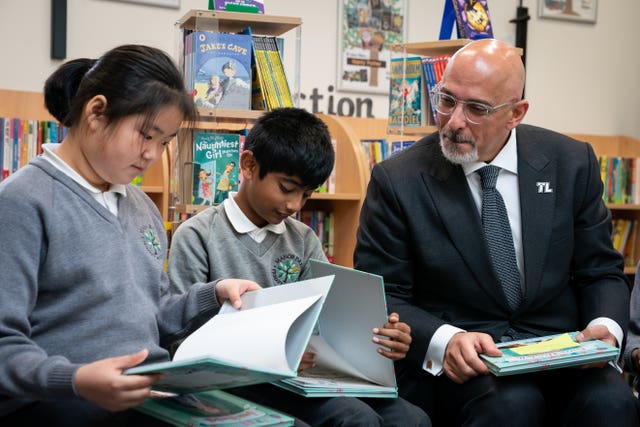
x=351, y=172
x=30, y=105
x=619, y=146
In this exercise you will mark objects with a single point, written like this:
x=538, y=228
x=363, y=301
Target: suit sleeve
x=384, y=247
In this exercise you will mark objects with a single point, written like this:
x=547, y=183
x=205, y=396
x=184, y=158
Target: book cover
x=271, y=80
x=397, y=146
x=548, y=352
x=407, y=98
x=212, y=408
x=216, y=158
x=472, y=19
x=347, y=362
x=251, y=6
x=275, y=323
x=218, y=69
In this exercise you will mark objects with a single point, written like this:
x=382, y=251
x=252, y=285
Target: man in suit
x=421, y=228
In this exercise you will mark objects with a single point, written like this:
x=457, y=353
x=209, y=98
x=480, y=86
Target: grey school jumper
x=207, y=247
x=78, y=284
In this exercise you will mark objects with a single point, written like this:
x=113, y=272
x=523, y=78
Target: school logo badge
x=286, y=269
x=151, y=240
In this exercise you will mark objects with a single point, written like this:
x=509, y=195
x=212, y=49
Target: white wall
x=582, y=78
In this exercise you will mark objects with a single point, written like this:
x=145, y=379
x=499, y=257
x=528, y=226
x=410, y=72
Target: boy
x=287, y=154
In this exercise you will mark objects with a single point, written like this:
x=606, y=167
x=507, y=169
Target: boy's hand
x=103, y=383
x=399, y=334
x=308, y=361
x=231, y=289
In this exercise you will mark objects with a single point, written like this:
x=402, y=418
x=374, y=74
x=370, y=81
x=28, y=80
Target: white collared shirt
x=243, y=225
x=108, y=199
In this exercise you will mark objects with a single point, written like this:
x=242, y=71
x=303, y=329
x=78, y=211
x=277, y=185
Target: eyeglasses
x=475, y=112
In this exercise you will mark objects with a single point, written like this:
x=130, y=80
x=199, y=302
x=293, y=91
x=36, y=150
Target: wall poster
x=368, y=30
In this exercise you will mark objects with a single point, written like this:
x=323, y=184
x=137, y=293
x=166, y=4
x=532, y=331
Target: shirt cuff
x=612, y=325
x=434, y=359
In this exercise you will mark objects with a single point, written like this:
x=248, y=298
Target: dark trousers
x=562, y=397
x=336, y=411
x=76, y=413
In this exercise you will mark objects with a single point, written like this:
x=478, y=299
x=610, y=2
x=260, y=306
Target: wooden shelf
x=336, y=196
x=228, y=114
x=623, y=207
x=431, y=48
x=233, y=22
x=411, y=130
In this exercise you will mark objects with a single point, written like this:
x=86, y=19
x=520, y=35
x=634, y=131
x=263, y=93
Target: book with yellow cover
x=548, y=352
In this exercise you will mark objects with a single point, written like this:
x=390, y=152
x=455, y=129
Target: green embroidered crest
x=286, y=269
x=151, y=241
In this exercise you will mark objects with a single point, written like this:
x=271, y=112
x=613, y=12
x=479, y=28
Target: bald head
x=489, y=62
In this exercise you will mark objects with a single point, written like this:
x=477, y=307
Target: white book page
x=329, y=361
x=255, y=338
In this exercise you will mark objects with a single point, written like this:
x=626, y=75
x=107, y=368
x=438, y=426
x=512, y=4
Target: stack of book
x=21, y=140
x=548, y=352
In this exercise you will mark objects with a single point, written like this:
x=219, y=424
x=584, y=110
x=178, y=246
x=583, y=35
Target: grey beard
x=451, y=153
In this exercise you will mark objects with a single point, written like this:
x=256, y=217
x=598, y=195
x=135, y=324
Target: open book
x=548, y=352
x=347, y=361
x=263, y=341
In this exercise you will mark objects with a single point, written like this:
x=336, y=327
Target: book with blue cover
x=218, y=69
x=407, y=93
x=548, y=352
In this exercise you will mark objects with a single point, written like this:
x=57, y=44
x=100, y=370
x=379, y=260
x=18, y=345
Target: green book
x=347, y=363
x=212, y=408
x=262, y=341
x=548, y=352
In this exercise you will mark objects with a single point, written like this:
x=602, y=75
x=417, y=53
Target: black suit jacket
x=420, y=230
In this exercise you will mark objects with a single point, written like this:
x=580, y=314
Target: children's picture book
x=262, y=341
x=472, y=19
x=548, y=352
x=348, y=363
x=248, y=6
x=212, y=408
x=407, y=93
x=218, y=69
x=216, y=158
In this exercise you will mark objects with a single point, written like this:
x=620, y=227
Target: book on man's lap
x=548, y=352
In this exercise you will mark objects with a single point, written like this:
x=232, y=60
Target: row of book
x=322, y=223
x=620, y=177
x=625, y=236
x=377, y=150
x=21, y=140
x=411, y=82
x=235, y=71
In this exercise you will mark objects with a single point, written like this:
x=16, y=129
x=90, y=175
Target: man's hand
x=231, y=289
x=461, y=360
x=597, y=332
x=399, y=334
x=103, y=383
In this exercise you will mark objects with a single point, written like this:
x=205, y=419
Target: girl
x=84, y=293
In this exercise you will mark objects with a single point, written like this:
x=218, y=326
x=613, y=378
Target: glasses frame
x=490, y=108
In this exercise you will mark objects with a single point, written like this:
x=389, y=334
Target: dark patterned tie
x=495, y=223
